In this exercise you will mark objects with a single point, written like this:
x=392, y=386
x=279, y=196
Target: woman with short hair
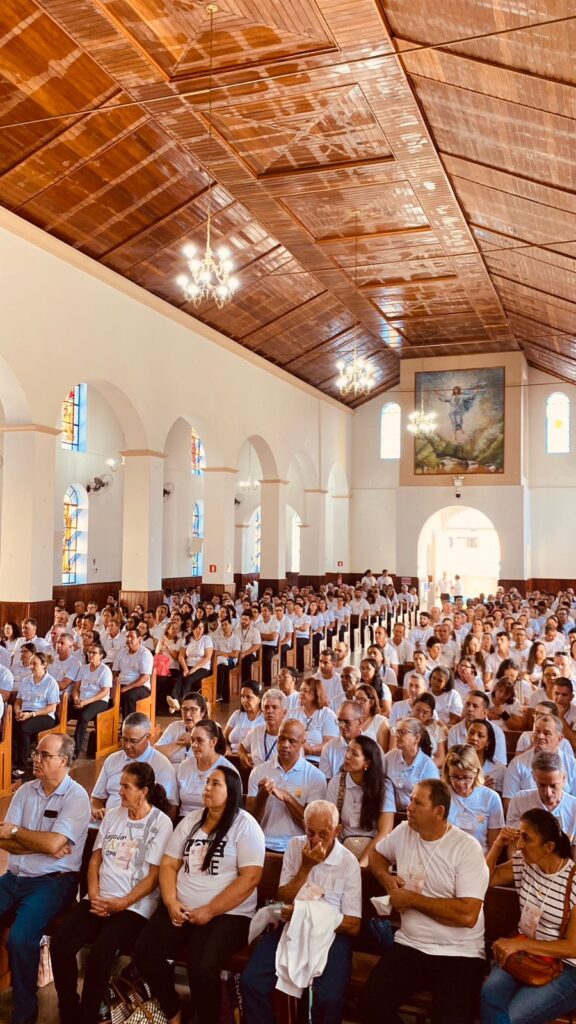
x=248, y=715
x=317, y=717
x=34, y=708
x=474, y=807
x=176, y=740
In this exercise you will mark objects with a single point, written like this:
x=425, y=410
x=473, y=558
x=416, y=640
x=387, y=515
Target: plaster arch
x=305, y=468
x=337, y=480
x=206, y=433
x=459, y=539
x=266, y=457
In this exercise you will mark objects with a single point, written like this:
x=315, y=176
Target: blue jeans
x=505, y=1001
x=259, y=981
x=33, y=903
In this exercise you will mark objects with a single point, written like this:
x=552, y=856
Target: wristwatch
x=505, y=716
x=14, y=830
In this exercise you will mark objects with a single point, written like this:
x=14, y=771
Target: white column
x=313, y=546
x=273, y=537
x=219, y=527
x=340, y=553
x=142, y=526
x=27, y=520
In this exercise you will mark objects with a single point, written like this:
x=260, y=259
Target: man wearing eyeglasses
x=44, y=834
x=334, y=752
x=136, y=746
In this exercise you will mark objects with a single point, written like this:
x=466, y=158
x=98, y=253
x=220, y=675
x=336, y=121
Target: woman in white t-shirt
x=504, y=709
x=176, y=740
x=195, y=662
x=425, y=712
x=474, y=807
x=448, y=701
x=358, y=793
x=543, y=874
x=318, y=718
x=482, y=737
x=122, y=893
x=208, y=747
x=210, y=871
x=245, y=717
x=373, y=724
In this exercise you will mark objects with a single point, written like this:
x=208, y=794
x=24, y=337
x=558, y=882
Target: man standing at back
x=438, y=889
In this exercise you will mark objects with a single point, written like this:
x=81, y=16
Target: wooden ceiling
x=443, y=129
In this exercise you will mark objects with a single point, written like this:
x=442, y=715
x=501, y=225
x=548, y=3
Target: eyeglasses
x=134, y=741
x=462, y=778
x=43, y=755
x=346, y=721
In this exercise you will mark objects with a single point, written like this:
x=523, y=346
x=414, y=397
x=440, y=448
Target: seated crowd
x=443, y=764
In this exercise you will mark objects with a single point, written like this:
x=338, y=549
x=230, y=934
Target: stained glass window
x=74, y=420
x=390, y=423
x=198, y=531
x=558, y=424
x=197, y=454
x=257, y=539
x=74, y=538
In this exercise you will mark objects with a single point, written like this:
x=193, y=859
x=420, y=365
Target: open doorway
x=459, y=540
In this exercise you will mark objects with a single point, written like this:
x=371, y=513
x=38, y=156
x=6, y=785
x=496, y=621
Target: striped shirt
x=546, y=893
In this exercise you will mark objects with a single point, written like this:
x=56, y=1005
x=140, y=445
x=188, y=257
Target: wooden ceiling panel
x=105, y=143
x=303, y=130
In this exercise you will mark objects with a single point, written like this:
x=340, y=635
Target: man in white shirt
x=269, y=631
x=421, y=633
x=249, y=642
x=400, y=644
x=438, y=889
x=385, y=580
x=134, y=665
x=330, y=678
x=547, y=737
x=113, y=641
x=475, y=709
x=261, y=742
x=315, y=861
x=553, y=640
x=334, y=751
x=285, y=631
x=29, y=636
x=279, y=789
x=359, y=612
x=66, y=667
x=549, y=794
x=136, y=746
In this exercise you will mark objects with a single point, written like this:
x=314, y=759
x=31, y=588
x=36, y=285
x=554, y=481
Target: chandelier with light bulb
x=249, y=484
x=421, y=423
x=210, y=273
x=356, y=376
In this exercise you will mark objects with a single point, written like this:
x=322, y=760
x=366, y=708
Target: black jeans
x=453, y=980
x=301, y=643
x=268, y=653
x=83, y=716
x=129, y=700
x=223, y=680
x=246, y=667
x=191, y=683
x=25, y=733
x=206, y=948
x=108, y=937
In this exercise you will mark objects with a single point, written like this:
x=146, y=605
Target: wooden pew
x=147, y=705
x=62, y=719
x=107, y=725
x=6, y=786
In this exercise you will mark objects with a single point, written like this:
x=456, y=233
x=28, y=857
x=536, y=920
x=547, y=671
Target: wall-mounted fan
x=167, y=491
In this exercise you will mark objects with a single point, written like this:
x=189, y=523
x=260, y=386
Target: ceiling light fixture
x=356, y=376
x=421, y=423
x=210, y=275
x=249, y=484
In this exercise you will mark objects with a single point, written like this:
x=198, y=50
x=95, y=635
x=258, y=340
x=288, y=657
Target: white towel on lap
x=304, y=946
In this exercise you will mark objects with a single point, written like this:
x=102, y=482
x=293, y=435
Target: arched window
x=197, y=454
x=390, y=423
x=557, y=424
x=198, y=531
x=254, y=540
x=74, y=538
x=74, y=420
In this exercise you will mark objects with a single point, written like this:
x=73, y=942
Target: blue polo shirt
x=66, y=810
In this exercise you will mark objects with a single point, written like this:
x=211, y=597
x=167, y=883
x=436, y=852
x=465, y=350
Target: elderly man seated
x=280, y=789
x=44, y=833
x=315, y=867
x=549, y=795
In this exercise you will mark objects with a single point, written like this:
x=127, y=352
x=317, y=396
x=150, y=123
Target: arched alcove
x=184, y=483
x=460, y=540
